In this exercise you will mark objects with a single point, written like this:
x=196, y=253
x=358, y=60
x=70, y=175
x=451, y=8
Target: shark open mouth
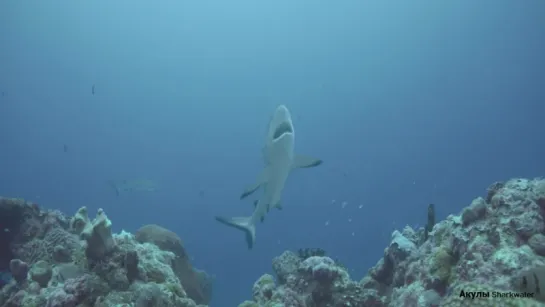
x=285, y=127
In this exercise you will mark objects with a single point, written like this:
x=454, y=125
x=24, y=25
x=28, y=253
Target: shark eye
x=285, y=127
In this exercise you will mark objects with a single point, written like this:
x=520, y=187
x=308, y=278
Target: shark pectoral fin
x=250, y=190
x=262, y=178
x=301, y=161
x=241, y=223
x=279, y=206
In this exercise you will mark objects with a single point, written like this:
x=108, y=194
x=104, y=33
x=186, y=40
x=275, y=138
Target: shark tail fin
x=241, y=223
x=114, y=186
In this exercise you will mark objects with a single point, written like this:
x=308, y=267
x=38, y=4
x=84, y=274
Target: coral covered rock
x=196, y=283
x=11, y=216
x=98, y=235
x=19, y=270
x=41, y=273
x=78, y=262
x=314, y=281
x=496, y=244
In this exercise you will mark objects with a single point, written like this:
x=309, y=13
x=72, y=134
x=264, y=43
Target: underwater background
x=407, y=103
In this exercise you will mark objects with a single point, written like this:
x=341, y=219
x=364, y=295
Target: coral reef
x=59, y=261
x=196, y=283
x=305, y=253
x=496, y=245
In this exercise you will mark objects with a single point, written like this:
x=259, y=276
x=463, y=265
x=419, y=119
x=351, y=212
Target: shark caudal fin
x=114, y=186
x=242, y=223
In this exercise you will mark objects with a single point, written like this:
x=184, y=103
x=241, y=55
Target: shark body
x=134, y=185
x=280, y=160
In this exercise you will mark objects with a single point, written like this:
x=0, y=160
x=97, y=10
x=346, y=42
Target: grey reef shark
x=280, y=160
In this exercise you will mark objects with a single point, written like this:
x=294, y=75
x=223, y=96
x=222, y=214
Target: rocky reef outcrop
x=492, y=254
x=60, y=261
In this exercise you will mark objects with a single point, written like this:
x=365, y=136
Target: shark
x=280, y=160
x=134, y=185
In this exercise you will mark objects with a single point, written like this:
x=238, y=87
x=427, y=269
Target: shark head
x=280, y=126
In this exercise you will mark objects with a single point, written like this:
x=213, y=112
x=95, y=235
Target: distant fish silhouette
x=65, y=148
x=135, y=185
x=93, y=89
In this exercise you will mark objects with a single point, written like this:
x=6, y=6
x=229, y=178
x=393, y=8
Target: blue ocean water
x=407, y=103
x=5, y=278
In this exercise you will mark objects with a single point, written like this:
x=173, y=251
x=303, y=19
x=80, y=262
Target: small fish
x=93, y=89
x=136, y=185
x=533, y=281
x=280, y=160
x=65, y=148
